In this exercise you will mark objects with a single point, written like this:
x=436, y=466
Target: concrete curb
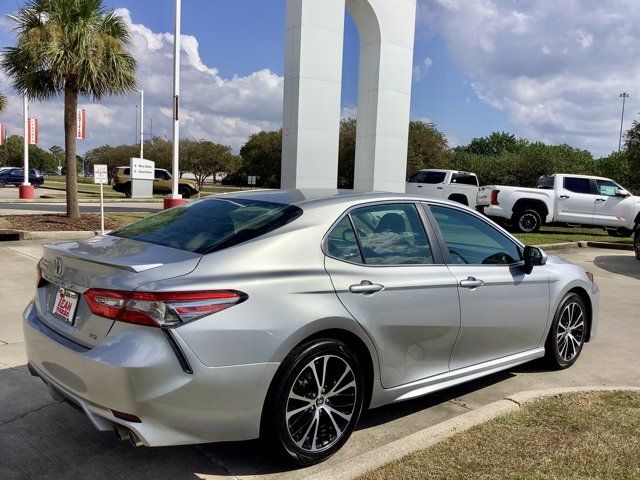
x=61, y=201
x=430, y=436
x=48, y=235
x=554, y=247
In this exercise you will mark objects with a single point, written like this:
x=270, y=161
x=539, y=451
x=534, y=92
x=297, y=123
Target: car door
x=161, y=182
x=392, y=278
x=575, y=201
x=612, y=209
x=428, y=183
x=16, y=177
x=503, y=311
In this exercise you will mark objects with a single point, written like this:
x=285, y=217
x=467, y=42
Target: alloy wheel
x=321, y=403
x=570, y=334
x=528, y=222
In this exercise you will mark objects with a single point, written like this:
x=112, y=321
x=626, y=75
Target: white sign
x=252, y=180
x=142, y=169
x=100, y=174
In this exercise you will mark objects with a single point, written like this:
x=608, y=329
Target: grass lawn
x=585, y=435
x=567, y=234
x=125, y=218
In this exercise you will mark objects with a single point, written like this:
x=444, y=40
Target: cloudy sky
x=549, y=70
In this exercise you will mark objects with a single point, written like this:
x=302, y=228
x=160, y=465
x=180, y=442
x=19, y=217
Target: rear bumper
x=135, y=371
x=495, y=211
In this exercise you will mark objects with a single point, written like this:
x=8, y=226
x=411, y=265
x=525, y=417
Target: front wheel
x=3, y=183
x=620, y=232
x=636, y=242
x=314, y=402
x=527, y=221
x=185, y=192
x=567, y=334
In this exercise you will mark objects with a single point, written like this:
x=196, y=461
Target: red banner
x=3, y=135
x=81, y=124
x=33, y=131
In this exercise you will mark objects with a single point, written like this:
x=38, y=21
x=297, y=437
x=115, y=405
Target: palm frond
x=3, y=102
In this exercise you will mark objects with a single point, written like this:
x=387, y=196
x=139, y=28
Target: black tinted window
x=577, y=185
x=428, y=177
x=471, y=240
x=161, y=175
x=546, y=183
x=392, y=235
x=342, y=242
x=464, y=179
x=211, y=225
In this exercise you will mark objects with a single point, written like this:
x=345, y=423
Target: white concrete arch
x=313, y=85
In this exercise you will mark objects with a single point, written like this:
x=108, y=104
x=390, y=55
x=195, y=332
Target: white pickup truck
x=461, y=187
x=567, y=199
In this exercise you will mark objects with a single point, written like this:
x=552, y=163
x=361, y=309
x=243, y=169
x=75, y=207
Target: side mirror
x=533, y=257
x=621, y=192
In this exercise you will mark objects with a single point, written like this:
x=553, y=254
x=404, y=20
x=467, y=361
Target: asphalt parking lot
x=40, y=438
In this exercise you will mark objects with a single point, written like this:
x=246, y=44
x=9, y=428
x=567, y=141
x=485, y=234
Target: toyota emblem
x=58, y=266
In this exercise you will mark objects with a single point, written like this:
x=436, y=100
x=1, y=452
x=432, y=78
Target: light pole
x=175, y=198
x=624, y=96
x=141, y=92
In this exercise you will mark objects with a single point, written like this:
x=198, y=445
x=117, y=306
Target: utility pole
x=141, y=124
x=624, y=96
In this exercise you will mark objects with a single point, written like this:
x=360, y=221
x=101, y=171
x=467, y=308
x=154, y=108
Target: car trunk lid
x=69, y=269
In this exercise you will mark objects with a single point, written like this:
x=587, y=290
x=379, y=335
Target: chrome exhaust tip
x=122, y=433
x=134, y=440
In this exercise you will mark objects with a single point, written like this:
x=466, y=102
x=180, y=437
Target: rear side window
x=211, y=225
x=342, y=243
x=546, y=183
x=124, y=171
x=577, y=185
x=428, y=177
x=464, y=179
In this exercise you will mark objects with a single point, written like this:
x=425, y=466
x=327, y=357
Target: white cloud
x=225, y=110
x=555, y=68
x=419, y=71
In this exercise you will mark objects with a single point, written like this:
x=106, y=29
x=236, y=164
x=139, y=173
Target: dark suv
x=15, y=176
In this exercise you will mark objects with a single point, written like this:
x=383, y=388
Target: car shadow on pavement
x=40, y=437
x=619, y=264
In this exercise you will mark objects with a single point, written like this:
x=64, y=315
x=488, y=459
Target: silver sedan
x=283, y=314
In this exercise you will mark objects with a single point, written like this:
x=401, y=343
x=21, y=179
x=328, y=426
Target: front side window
x=418, y=177
x=471, y=240
x=577, y=185
x=161, y=175
x=607, y=188
x=464, y=179
x=392, y=234
x=211, y=225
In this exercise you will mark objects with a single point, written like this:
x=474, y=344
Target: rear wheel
x=3, y=183
x=314, y=402
x=184, y=191
x=527, y=221
x=636, y=242
x=127, y=190
x=568, y=333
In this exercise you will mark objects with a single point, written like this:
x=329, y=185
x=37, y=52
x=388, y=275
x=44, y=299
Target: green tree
x=261, y=156
x=347, y=152
x=428, y=148
x=204, y=159
x=495, y=144
x=70, y=47
x=38, y=158
x=632, y=153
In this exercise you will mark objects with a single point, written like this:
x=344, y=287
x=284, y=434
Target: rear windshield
x=432, y=178
x=464, y=179
x=546, y=183
x=210, y=225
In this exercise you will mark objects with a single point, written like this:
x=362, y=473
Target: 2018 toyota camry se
x=283, y=314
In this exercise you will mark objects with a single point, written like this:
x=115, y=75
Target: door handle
x=366, y=287
x=419, y=186
x=601, y=199
x=471, y=282
x=564, y=196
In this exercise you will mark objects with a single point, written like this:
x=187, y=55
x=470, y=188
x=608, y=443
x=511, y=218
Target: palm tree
x=70, y=47
x=3, y=102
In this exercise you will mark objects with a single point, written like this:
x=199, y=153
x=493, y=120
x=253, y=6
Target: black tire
x=563, y=345
x=636, y=242
x=620, y=232
x=3, y=183
x=296, y=438
x=459, y=199
x=127, y=190
x=184, y=191
x=526, y=221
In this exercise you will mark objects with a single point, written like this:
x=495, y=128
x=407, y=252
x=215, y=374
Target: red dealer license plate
x=64, y=308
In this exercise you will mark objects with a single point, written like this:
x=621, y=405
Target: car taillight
x=494, y=197
x=163, y=309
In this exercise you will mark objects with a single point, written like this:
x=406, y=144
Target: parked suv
x=567, y=199
x=15, y=176
x=162, y=183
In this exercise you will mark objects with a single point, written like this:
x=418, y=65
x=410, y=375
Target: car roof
x=316, y=197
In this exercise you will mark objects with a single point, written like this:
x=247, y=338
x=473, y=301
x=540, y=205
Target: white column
x=387, y=30
x=25, y=117
x=312, y=92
